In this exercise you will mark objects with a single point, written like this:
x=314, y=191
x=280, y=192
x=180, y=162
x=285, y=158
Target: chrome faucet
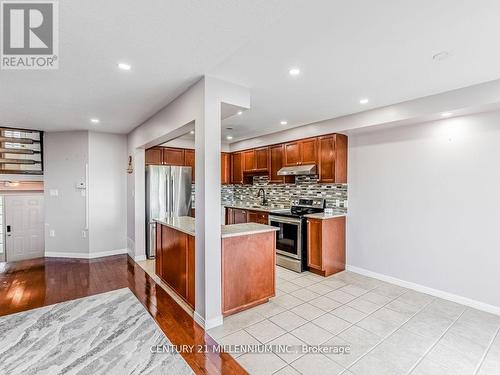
x=264, y=199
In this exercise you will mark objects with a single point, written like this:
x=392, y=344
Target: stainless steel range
x=291, y=239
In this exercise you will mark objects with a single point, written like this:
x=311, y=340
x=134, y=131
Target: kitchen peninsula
x=247, y=250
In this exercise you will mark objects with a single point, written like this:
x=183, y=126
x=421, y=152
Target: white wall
x=107, y=192
x=424, y=205
x=65, y=156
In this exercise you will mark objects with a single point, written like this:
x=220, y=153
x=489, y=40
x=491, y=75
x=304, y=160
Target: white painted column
x=208, y=223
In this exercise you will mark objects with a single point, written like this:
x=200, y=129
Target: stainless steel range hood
x=298, y=170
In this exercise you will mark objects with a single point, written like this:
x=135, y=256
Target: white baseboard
x=425, y=289
x=208, y=324
x=100, y=254
x=139, y=258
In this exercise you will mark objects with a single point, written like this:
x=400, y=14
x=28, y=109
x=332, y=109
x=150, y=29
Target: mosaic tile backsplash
x=283, y=195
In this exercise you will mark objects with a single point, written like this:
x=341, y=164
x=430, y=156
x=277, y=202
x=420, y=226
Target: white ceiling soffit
x=381, y=50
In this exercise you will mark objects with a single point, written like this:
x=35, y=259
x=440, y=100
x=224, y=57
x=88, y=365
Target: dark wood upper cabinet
x=309, y=151
x=291, y=154
x=332, y=158
x=189, y=161
x=275, y=163
x=173, y=156
x=236, y=168
x=261, y=158
x=225, y=168
x=329, y=152
x=153, y=156
x=301, y=152
x=249, y=160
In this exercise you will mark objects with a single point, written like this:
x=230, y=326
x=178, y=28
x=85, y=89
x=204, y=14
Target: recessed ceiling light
x=294, y=71
x=240, y=113
x=124, y=66
x=191, y=132
x=363, y=101
x=441, y=55
x=284, y=122
x=95, y=120
x=446, y=114
x=229, y=137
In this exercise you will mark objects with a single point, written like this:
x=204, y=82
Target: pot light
x=294, y=71
x=240, y=113
x=446, y=114
x=95, y=120
x=363, y=101
x=191, y=132
x=284, y=122
x=229, y=137
x=124, y=66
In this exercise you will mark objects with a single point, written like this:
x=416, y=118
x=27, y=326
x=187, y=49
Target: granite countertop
x=325, y=216
x=251, y=207
x=185, y=224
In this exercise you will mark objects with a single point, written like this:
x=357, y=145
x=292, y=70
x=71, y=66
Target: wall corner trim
x=431, y=291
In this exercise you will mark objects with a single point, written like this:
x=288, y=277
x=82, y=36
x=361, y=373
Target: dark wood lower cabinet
x=238, y=216
x=326, y=245
x=257, y=217
x=175, y=261
x=254, y=255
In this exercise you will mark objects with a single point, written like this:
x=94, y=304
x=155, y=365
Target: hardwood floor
x=40, y=282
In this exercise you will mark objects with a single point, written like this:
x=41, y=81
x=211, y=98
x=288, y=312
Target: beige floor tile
x=235, y=323
x=287, y=301
x=294, y=345
x=287, y=286
x=238, y=338
x=463, y=344
x=331, y=323
x=410, y=341
x=402, y=307
x=452, y=360
x=307, y=311
x=288, y=320
x=268, y=309
x=391, y=316
x=377, y=326
x=304, y=281
x=448, y=309
x=400, y=357
x=491, y=363
x=354, y=290
x=316, y=364
x=363, y=305
x=265, y=331
x=340, y=296
x=389, y=290
x=360, y=337
x=371, y=365
x=325, y=303
x=261, y=364
x=320, y=288
x=375, y=298
x=305, y=294
x=428, y=367
x=347, y=358
x=416, y=299
x=333, y=283
x=288, y=370
x=348, y=313
x=427, y=324
x=311, y=334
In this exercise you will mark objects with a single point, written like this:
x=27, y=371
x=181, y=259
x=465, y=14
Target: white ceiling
x=381, y=50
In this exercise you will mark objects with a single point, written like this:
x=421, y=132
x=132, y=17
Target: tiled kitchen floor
x=390, y=330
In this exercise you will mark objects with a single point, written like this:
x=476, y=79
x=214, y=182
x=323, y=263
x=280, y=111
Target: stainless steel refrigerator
x=168, y=194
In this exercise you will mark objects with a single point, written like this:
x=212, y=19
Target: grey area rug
x=109, y=333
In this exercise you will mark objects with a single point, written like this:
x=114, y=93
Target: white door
x=24, y=227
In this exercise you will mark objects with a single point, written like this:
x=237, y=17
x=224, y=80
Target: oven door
x=289, y=237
